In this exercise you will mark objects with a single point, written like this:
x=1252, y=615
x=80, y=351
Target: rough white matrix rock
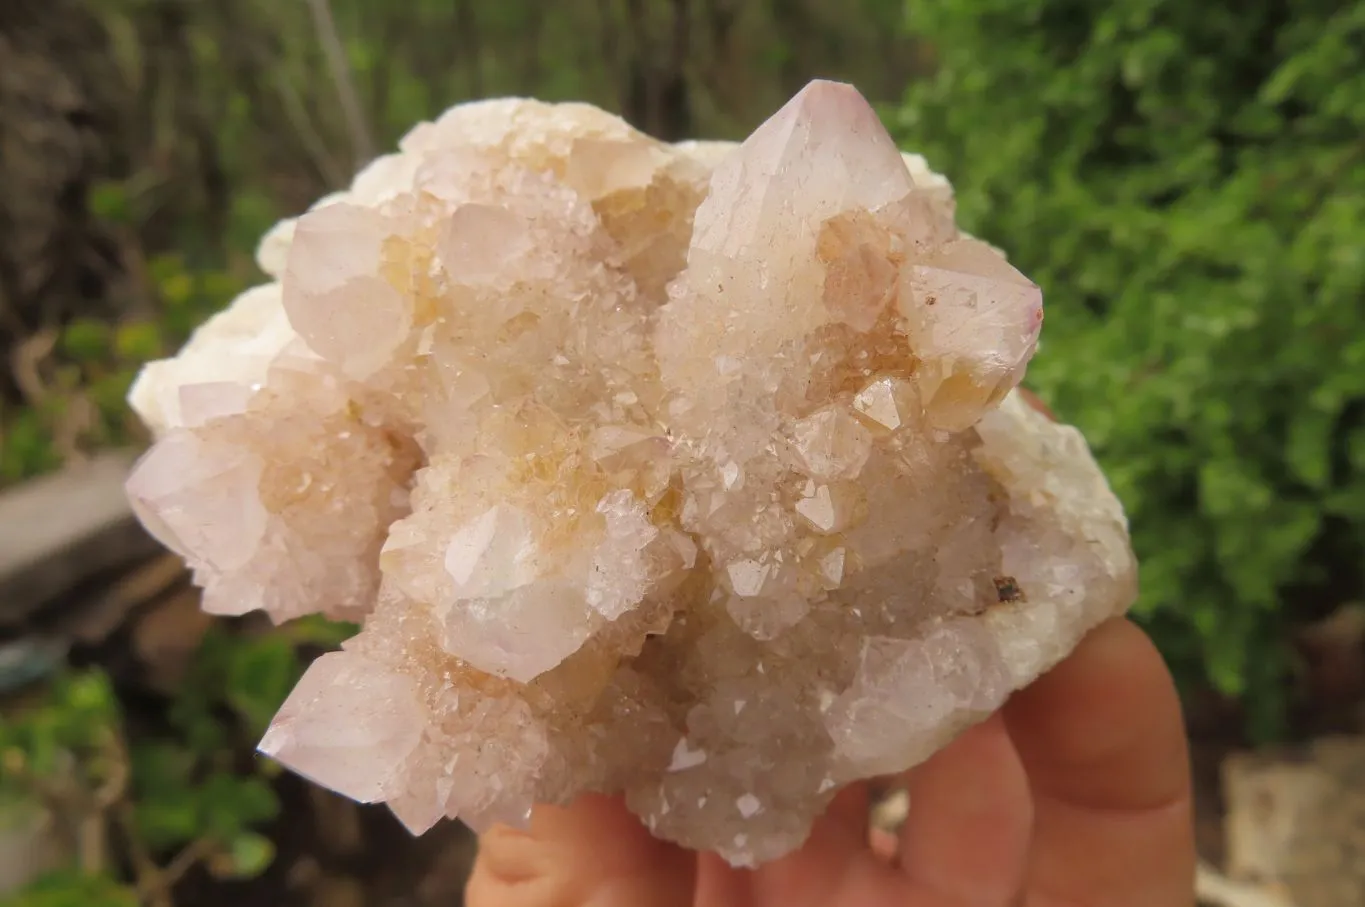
x=688, y=472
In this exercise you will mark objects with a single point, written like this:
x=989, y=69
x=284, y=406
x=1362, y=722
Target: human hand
x=1076, y=795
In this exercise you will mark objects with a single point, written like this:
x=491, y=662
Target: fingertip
x=593, y=851
x=885, y=846
x=1103, y=740
x=1104, y=728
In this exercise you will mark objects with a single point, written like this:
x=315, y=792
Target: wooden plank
x=62, y=529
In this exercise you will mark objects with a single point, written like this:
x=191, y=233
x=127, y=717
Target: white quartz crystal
x=692, y=473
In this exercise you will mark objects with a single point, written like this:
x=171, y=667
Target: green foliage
x=1186, y=183
x=178, y=792
x=68, y=733
x=26, y=446
x=187, y=785
x=85, y=401
x=249, y=855
x=73, y=889
x=250, y=676
x=180, y=797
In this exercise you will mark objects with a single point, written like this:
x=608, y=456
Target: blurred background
x=1186, y=181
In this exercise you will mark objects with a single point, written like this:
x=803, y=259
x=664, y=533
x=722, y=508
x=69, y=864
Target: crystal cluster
x=691, y=472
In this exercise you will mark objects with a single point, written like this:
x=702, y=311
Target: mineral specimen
x=692, y=472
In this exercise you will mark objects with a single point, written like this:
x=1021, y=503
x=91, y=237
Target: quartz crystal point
x=692, y=473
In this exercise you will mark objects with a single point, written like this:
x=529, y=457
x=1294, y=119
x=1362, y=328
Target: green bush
x=1187, y=183
x=83, y=405
x=163, y=794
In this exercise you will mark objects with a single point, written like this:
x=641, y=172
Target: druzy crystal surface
x=693, y=473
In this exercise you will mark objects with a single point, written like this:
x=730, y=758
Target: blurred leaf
x=166, y=823
x=109, y=201
x=86, y=340
x=26, y=447
x=138, y=342
x=260, y=675
x=316, y=630
x=72, y=889
x=161, y=768
x=231, y=804
x=249, y=855
x=177, y=289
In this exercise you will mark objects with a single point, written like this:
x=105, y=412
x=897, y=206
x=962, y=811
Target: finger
x=1103, y=742
x=886, y=818
x=967, y=834
x=593, y=853
x=885, y=846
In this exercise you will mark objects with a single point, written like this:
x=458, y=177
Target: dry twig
x=362, y=141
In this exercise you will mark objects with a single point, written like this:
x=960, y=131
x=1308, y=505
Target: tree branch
x=362, y=140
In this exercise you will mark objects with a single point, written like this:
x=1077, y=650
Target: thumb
x=593, y=853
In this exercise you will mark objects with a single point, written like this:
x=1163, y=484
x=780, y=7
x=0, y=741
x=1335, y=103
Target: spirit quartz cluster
x=688, y=472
